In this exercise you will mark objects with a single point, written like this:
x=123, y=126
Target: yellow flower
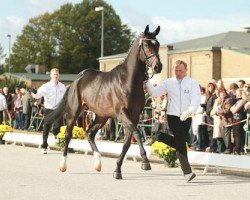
x=164, y=151
x=5, y=128
x=77, y=133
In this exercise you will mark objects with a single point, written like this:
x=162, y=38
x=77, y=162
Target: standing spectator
x=210, y=99
x=27, y=108
x=18, y=110
x=241, y=83
x=52, y=92
x=198, y=127
x=220, y=84
x=159, y=106
x=238, y=114
x=3, y=107
x=246, y=97
x=232, y=91
x=183, y=100
x=246, y=92
x=9, y=101
x=222, y=116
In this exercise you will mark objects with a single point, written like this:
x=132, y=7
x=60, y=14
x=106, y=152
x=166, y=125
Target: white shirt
x=52, y=93
x=182, y=94
x=3, y=104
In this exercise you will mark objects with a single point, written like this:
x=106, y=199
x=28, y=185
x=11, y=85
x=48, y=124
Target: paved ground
x=25, y=174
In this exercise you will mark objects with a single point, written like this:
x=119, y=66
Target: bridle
x=147, y=57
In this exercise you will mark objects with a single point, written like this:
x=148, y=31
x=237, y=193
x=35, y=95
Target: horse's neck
x=132, y=62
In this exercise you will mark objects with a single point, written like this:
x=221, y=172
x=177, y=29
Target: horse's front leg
x=145, y=162
x=117, y=173
x=132, y=130
x=68, y=136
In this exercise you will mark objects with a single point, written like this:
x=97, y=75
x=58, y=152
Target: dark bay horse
x=114, y=94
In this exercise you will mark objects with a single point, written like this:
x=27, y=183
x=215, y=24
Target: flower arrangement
x=4, y=128
x=77, y=133
x=166, y=152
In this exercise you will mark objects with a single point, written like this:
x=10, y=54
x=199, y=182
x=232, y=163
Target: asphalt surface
x=26, y=174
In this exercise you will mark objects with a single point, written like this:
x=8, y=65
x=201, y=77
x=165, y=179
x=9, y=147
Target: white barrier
x=194, y=157
x=104, y=147
x=24, y=138
x=219, y=160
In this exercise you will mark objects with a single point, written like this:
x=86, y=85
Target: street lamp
x=9, y=36
x=100, y=8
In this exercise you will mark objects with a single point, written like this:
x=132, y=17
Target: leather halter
x=147, y=57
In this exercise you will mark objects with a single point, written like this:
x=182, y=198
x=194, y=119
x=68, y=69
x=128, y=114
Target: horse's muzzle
x=158, y=68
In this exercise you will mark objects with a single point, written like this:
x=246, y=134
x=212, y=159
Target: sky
x=179, y=20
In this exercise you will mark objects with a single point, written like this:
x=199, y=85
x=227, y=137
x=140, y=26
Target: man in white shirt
x=183, y=100
x=52, y=92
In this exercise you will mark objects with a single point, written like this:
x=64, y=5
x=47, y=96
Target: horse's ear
x=146, y=30
x=157, y=31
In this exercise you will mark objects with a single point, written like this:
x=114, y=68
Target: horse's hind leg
x=73, y=110
x=68, y=136
x=97, y=124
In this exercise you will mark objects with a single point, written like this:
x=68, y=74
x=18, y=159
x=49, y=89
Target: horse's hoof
x=63, y=169
x=98, y=167
x=146, y=166
x=117, y=175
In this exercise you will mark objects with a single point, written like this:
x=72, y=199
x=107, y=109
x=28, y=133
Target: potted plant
x=3, y=129
x=77, y=133
x=167, y=153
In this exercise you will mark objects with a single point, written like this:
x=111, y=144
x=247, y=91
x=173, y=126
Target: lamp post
x=9, y=36
x=100, y=8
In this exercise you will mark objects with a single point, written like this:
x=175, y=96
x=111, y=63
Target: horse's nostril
x=158, y=68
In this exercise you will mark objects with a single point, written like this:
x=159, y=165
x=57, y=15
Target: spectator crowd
x=218, y=126
x=17, y=108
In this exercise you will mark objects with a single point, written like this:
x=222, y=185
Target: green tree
x=70, y=38
x=1, y=57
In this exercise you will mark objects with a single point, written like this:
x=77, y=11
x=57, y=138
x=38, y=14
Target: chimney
x=247, y=28
x=170, y=47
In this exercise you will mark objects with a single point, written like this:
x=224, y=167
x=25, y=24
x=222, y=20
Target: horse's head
x=149, y=49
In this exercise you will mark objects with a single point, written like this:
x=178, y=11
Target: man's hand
x=188, y=113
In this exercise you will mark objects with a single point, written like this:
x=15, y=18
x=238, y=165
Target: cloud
x=36, y=7
x=175, y=31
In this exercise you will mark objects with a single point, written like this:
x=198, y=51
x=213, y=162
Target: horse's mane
x=131, y=45
x=119, y=68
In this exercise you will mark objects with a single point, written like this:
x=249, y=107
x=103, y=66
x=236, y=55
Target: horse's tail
x=60, y=109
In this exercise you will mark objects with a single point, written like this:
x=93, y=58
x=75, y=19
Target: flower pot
x=2, y=141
